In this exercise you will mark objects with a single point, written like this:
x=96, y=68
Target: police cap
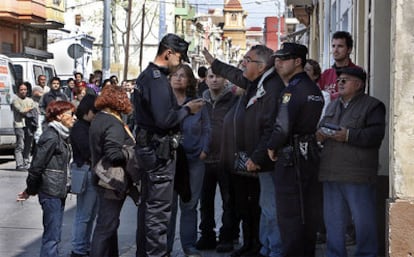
x=291, y=50
x=177, y=44
x=353, y=71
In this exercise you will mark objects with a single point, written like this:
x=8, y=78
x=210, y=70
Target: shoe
x=206, y=243
x=224, y=247
x=253, y=252
x=350, y=239
x=191, y=252
x=241, y=251
x=320, y=238
x=21, y=168
x=78, y=255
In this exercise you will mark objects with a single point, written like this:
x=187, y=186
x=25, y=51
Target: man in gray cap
x=351, y=132
x=158, y=118
x=293, y=146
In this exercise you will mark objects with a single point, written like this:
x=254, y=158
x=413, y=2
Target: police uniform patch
x=286, y=98
x=156, y=74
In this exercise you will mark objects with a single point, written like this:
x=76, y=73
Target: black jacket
x=49, y=169
x=217, y=110
x=79, y=138
x=107, y=135
x=254, y=122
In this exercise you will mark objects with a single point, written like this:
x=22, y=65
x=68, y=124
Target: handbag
x=110, y=177
x=79, y=176
x=241, y=157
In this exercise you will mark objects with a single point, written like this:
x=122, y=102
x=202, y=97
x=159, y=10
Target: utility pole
x=106, y=44
x=162, y=28
x=128, y=28
x=141, y=44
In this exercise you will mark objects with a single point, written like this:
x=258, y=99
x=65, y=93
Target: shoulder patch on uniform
x=286, y=98
x=156, y=74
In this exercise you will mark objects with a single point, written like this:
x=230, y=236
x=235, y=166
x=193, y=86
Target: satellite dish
x=75, y=51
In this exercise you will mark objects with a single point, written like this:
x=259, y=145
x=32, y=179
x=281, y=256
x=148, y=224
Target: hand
x=340, y=135
x=251, y=166
x=203, y=156
x=195, y=105
x=208, y=56
x=320, y=136
x=272, y=155
x=22, y=196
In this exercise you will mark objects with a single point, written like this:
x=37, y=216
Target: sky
x=255, y=12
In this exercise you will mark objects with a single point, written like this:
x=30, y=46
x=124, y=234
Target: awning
x=292, y=36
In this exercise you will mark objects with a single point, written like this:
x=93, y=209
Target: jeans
x=215, y=175
x=188, y=218
x=269, y=233
x=53, y=209
x=360, y=200
x=86, y=208
x=23, y=146
x=105, y=235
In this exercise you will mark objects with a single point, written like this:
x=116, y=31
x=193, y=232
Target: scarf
x=260, y=90
x=62, y=130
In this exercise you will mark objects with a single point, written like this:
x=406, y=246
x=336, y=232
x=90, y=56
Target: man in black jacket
x=255, y=114
x=293, y=146
x=158, y=117
x=219, y=100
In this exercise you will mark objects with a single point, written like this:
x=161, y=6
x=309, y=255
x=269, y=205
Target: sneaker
x=224, y=247
x=191, y=252
x=350, y=239
x=206, y=243
x=21, y=168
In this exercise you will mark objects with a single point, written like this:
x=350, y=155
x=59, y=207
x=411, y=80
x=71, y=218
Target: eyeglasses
x=248, y=60
x=344, y=80
x=69, y=113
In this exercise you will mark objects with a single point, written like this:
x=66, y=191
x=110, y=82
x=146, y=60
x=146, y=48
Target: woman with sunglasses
x=48, y=173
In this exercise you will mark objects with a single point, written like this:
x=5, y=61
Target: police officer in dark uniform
x=293, y=146
x=158, y=117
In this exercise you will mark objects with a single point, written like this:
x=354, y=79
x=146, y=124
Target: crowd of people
x=294, y=151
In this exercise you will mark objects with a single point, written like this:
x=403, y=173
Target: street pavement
x=21, y=223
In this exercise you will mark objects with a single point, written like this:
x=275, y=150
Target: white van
x=29, y=69
x=8, y=89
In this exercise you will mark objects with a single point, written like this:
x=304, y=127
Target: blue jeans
x=188, y=218
x=53, y=209
x=360, y=200
x=269, y=233
x=86, y=208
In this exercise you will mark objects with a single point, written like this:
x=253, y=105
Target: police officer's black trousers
x=154, y=211
x=297, y=217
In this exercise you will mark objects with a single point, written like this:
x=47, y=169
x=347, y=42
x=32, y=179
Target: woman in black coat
x=108, y=134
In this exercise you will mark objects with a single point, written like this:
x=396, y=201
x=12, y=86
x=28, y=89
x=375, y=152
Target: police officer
x=158, y=117
x=293, y=146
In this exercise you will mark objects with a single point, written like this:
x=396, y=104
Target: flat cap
x=177, y=44
x=353, y=71
x=291, y=49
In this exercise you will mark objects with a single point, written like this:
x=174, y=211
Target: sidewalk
x=21, y=224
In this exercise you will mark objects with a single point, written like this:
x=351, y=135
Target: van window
x=49, y=74
x=37, y=70
x=19, y=71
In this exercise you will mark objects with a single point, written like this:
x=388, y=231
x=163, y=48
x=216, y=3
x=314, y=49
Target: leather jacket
x=48, y=172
